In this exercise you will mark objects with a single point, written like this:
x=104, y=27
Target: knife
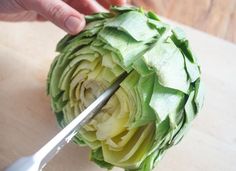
x=38, y=160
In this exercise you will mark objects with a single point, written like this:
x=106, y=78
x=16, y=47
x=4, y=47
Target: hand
x=67, y=14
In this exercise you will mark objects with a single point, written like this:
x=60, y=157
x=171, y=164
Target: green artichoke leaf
x=147, y=114
x=122, y=9
x=192, y=69
x=190, y=108
x=126, y=48
x=165, y=101
x=199, y=95
x=168, y=63
x=63, y=42
x=180, y=40
x=140, y=66
x=152, y=15
x=129, y=22
x=159, y=25
x=98, y=16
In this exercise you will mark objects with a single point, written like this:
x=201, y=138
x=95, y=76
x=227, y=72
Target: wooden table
x=27, y=122
x=217, y=17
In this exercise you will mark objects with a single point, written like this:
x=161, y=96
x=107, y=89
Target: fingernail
x=73, y=24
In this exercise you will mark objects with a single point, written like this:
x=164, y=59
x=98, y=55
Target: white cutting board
x=26, y=121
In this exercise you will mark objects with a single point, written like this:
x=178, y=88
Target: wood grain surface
x=27, y=122
x=217, y=17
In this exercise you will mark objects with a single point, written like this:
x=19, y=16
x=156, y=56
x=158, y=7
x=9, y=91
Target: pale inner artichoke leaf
x=111, y=127
x=118, y=142
x=133, y=152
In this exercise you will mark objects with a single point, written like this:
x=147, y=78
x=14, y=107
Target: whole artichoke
x=154, y=105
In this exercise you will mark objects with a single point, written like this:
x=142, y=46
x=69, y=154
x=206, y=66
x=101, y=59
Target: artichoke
x=155, y=104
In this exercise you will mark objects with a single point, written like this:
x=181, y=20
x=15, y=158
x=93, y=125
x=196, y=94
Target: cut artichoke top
x=154, y=105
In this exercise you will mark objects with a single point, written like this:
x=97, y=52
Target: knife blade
x=39, y=159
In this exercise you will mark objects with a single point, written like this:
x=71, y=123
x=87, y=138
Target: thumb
x=57, y=12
